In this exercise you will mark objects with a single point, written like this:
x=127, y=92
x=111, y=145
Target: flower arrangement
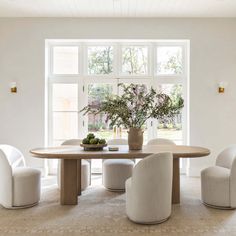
x=136, y=105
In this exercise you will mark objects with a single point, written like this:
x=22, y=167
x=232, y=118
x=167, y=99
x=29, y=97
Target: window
x=134, y=60
x=64, y=112
x=65, y=60
x=97, y=123
x=169, y=60
x=85, y=72
x=172, y=130
x=100, y=60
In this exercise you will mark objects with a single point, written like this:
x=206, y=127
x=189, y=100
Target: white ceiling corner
x=117, y=8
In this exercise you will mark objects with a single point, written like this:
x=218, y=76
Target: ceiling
x=117, y=8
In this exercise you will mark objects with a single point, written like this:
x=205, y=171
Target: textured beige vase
x=135, y=139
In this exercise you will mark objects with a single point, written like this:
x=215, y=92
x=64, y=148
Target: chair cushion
x=26, y=186
x=116, y=172
x=215, y=186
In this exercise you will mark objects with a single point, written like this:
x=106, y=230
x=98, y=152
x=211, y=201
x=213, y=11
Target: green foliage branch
x=136, y=105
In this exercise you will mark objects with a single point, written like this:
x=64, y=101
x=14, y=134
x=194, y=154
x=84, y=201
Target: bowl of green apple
x=91, y=143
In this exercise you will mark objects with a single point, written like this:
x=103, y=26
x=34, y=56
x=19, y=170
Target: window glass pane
x=65, y=59
x=97, y=123
x=169, y=60
x=100, y=60
x=135, y=60
x=173, y=130
x=65, y=97
x=65, y=125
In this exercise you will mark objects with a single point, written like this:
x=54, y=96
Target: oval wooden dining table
x=71, y=157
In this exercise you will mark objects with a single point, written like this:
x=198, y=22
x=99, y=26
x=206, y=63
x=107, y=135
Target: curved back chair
x=72, y=142
x=117, y=141
x=149, y=190
x=19, y=185
x=85, y=166
x=219, y=181
x=116, y=171
x=160, y=141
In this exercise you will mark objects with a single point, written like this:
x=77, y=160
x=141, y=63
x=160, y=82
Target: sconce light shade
x=221, y=86
x=221, y=90
x=13, y=87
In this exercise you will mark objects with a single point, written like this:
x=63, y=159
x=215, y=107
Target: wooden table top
x=77, y=152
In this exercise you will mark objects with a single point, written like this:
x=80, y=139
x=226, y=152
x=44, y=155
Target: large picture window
x=84, y=72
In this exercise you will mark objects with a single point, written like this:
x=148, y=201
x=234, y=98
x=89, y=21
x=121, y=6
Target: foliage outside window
x=169, y=60
x=175, y=93
x=97, y=94
x=100, y=60
x=135, y=60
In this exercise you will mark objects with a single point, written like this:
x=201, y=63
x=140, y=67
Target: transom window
x=65, y=60
x=170, y=60
x=84, y=72
x=135, y=60
x=100, y=60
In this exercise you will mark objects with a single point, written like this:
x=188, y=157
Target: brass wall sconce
x=221, y=86
x=13, y=87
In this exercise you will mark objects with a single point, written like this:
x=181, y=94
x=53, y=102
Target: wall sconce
x=13, y=87
x=221, y=86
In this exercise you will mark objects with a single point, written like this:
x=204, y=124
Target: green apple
x=90, y=136
x=85, y=141
x=93, y=141
x=102, y=141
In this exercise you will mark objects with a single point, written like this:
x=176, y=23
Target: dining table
x=71, y=156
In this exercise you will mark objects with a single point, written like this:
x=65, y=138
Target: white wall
x=212, y=55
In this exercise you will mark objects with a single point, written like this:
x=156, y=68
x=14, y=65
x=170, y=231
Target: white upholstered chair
x=219, y=181
x=149, y=190
x=160, y=141
x=116, y=171
x=85, y=167
x=19, y=185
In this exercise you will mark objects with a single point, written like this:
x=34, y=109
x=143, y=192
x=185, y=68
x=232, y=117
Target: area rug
x=101, y=212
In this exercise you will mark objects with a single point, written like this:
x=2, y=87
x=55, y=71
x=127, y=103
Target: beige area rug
x=103, y=213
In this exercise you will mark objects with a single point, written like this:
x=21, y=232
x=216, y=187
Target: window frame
x=149, y=56
x=64, y=44
x=85, y=56
x=170, y=44
x=82, y=79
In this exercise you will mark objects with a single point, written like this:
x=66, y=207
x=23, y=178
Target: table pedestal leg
x=69, y=179
x=176, y=182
